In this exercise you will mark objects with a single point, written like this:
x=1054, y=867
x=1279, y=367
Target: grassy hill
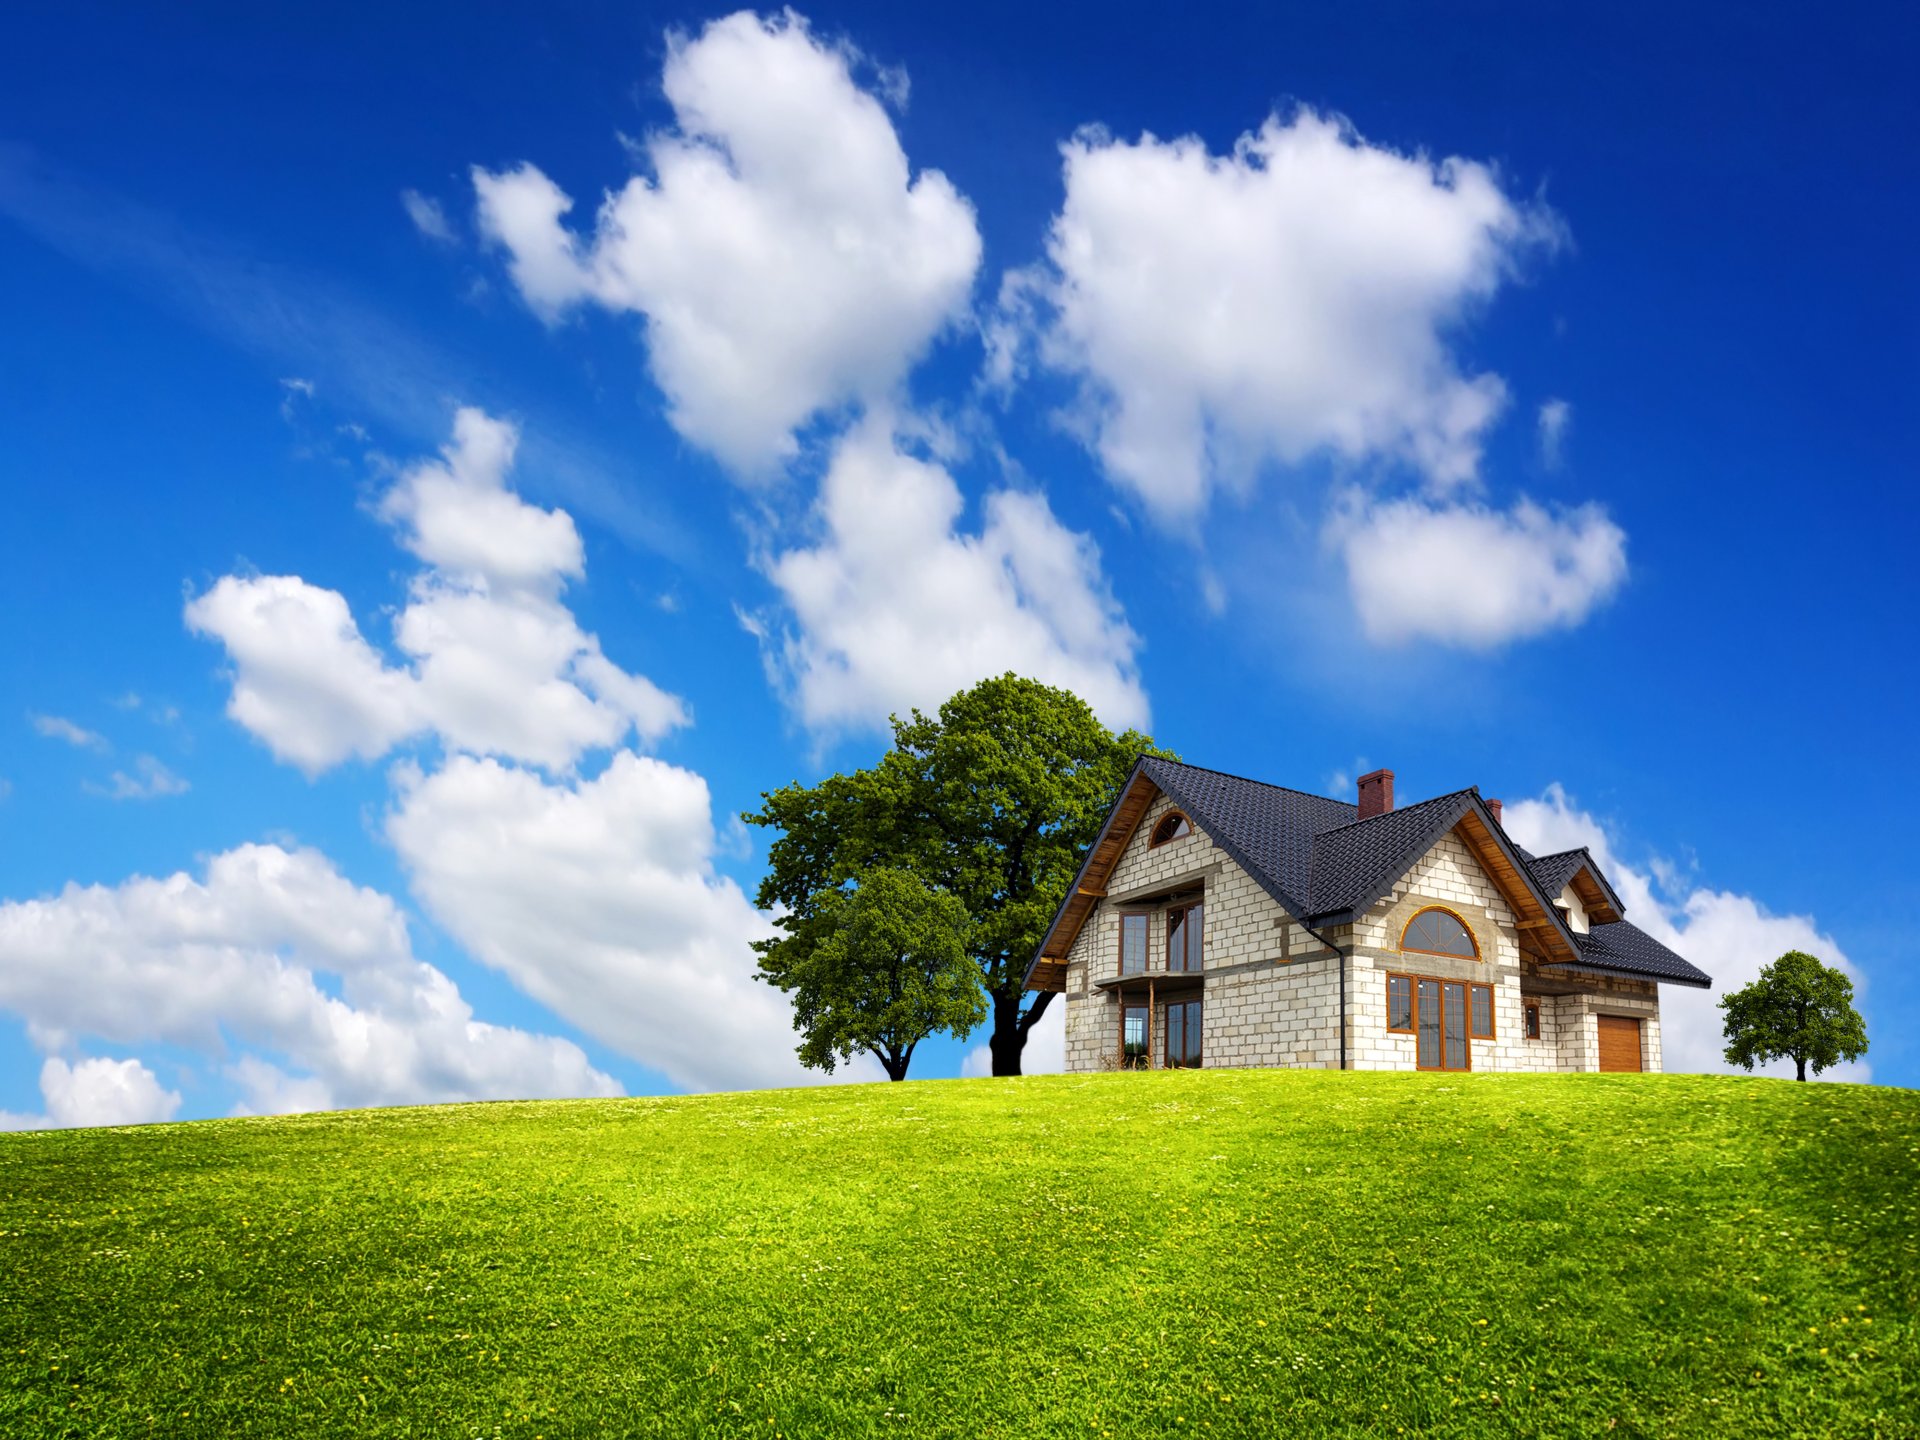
x=1256, y=1252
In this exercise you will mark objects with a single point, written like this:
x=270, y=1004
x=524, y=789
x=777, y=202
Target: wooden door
x=1619, y=1042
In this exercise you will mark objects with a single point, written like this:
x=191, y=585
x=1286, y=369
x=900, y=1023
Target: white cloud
x=429, y=217
x=96, y=1092
x=1555, y=418
x=497, y=663
x=1288, y=299
x=1730, y=936
x=894, y=607
x=276, y=951
x=786, y=259
x=149, y=781
x=304, y=679
x=598, y=898
x=57, y=727
x=1472, y=576
x=104, y=1092
x=1045, y=1052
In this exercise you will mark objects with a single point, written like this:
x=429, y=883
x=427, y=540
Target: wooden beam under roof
x=1542, y=940
x=1050, y=970
x=1599, y=908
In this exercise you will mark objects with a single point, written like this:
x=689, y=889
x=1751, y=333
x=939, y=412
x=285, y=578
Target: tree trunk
x=1800, y=1064
x=1007, y=1040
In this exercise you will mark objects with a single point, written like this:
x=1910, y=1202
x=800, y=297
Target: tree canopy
x=889, y=967
x=1799, y=1009
x=994, y=801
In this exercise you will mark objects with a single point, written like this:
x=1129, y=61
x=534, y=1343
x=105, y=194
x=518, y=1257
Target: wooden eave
x=1599, y=905
x=1542, y=933
x=1049, y=968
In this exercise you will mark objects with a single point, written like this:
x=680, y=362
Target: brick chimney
x=1494, y=806
x=1376, y=794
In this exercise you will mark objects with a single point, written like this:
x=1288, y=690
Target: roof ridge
x=1249, y=780
x=1570, y=850
x=1397, y=810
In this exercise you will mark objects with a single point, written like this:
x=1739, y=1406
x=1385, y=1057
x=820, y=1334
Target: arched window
x=1439, y=932
x=1171, y=827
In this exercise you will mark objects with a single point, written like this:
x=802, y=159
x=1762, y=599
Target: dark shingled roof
x=1319, y=861
x=1355, y=864
x=1554, y=871
x=1629, y=950
x=1267, y=828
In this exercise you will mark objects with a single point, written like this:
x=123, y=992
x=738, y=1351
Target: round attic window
x=1171, y=827
x=1439, y=932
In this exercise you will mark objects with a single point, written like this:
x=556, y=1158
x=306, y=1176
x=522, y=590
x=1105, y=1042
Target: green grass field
x=1228, y=1252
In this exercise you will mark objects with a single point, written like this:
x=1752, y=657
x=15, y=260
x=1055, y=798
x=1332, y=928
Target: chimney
x=1376, y=794
x=1494, y=806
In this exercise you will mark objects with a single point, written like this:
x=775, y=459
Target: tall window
x=1183, y=937
x=1133, y=944
x=1133, y=1037
x=1444, y=1016
x=1439, y=932
x=1183, y=1035
x=1399, y=1002
x=1482, y=1012
x=1532, y=1008
x=1172, y=826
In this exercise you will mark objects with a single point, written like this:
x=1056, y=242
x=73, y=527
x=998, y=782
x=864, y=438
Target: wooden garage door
x=1619, y=1042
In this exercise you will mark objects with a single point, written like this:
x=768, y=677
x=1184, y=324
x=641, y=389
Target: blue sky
x=1509, y=399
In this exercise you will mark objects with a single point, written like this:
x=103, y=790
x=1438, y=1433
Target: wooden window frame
x=1145, y=917
x=1493, y=1023
x=1166, y=1032
x=1472, y=939
x=1184, y=911
x=1146, y=1043
x=1530, y=1024
x=1408, y=1028
x=1154, y=840
x=1412, y=1027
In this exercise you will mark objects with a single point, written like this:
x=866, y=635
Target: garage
x=1619, y=1042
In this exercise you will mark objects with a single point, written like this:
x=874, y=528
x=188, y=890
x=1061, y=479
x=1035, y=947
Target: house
x=1222, y=921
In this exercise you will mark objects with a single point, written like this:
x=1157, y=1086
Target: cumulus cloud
x=895, y=606
x=785, y=258
x=1468, y=575
x=1290, y=298
x=275, y=951
x=58, y=727
x=104, y=1092
x=149, y=780
x=1555, y=416
x=429, y=217
x=495, y=660
x=1728, y=935
x=599, y=899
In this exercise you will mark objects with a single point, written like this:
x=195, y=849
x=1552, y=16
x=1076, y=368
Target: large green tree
x=993, y=801
x=1799, y=1009
x=890, y=967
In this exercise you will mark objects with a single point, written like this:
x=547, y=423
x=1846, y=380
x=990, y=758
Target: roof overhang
x=1543, y=930
x=1626, y=973
x=1049, y=968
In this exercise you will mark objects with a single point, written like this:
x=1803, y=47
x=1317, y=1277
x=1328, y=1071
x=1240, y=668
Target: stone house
x=1222, y=921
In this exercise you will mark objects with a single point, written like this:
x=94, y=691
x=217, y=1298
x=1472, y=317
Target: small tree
x=878, y=968
x=1797, y=1009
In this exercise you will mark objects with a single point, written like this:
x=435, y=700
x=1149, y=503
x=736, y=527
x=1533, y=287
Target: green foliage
x=1215, y=1252
x=993, y=801
x=890, y=968
x=1799, y=1009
